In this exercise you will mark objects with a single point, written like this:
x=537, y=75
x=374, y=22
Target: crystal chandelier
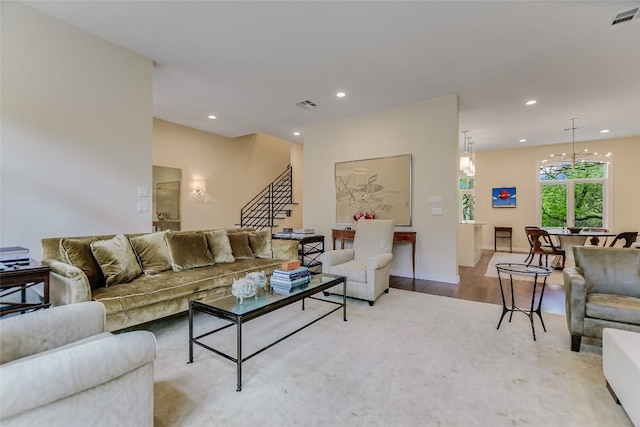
x=577, y=157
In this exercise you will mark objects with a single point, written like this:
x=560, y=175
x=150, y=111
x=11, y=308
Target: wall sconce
x=199, y=186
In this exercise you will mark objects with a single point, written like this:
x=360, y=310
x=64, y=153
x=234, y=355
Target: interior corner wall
x=234, y=169
x=76, y=131
x=297, y=164
x=428, y=130
x=519, y=167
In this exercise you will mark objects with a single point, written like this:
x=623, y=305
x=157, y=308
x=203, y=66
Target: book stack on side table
x=286, y=281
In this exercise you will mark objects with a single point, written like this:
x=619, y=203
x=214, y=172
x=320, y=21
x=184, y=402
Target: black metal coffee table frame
x=266, y=303
x=516, y=269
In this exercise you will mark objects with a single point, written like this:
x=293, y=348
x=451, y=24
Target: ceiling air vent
x=626, y=16
x=306, y=104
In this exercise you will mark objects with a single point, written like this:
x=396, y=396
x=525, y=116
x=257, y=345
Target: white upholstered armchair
x=59, y=367
x=366, y=266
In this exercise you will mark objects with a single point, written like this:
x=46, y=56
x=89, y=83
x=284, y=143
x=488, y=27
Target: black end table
x=513, y=269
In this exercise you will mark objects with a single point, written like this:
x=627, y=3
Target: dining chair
x=530, y=227
x=543, y=245
x=628, y=236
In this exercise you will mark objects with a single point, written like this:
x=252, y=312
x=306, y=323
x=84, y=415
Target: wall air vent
x=626, y=16
x=306, y=104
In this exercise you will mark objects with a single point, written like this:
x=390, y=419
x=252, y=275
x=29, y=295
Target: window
x=467, y=203
x=573, y=196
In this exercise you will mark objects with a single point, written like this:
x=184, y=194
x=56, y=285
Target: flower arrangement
x=365, y=215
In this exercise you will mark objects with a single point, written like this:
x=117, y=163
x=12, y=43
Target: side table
x=18, y=279
x=513, y=269
x=502, y=233
x=309, y=249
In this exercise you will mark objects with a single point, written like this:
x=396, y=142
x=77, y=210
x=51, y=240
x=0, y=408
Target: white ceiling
x=248, y=62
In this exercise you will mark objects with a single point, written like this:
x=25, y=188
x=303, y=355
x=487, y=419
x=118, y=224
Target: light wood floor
x=475, y=286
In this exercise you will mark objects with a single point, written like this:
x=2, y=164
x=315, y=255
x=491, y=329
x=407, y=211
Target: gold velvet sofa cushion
x=188, y=250
x=117, y=260
x=240, y=245
x=77, y=252
x=219, y=246
x=260, y=243
x=152, y=252
x=147, y=290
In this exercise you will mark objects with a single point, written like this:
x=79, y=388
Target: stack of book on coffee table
x=286, y=281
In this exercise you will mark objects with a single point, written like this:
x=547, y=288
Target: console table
x=398, y=236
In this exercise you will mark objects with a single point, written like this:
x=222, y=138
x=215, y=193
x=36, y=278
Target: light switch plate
x=143, y=191
x=436, y=211
x=435, y=199
x=143, y=207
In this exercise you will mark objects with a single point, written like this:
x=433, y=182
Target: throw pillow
x=240, y=245
x=218, y=241
x=188, y=250
x=77, y=252
x=260, y=242
x=152, y=252
x=117, y=260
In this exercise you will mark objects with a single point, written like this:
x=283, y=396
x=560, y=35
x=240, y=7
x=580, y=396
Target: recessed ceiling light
x=605, y=131
x=523, y=140
x=296, y=133
x=531, y=102
x=341, y=94
x=212, y=117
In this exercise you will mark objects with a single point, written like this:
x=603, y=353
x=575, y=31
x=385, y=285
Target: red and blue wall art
x=504, y=197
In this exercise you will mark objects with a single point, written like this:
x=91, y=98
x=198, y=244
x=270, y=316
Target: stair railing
x=272, y=201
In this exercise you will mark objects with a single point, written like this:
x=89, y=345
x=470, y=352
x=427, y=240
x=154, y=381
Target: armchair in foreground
x=367, y=265
x=59, y=366
x=602, y=291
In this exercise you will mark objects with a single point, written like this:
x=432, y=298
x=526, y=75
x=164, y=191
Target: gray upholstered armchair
x=367, y=265
x=59, y=366
x=602, y=291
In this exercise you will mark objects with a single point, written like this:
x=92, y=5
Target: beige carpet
x=411, y=360
x=500, y=257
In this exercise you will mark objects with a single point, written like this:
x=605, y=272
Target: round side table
x=514, y=269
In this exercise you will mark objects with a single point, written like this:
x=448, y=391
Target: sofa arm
x=379, y=261
x=331, y=258
x=575, y=289
x=67, y=284
x=39, y=381
x=43, y=330
x=284, y=250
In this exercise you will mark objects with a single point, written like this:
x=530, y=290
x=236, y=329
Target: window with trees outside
x=466, y=187
x=573, y=196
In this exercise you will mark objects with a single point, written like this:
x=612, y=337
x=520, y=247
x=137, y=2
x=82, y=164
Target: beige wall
x=428, y=130
x=76, y=131
x=519, y=168
x=235, y=170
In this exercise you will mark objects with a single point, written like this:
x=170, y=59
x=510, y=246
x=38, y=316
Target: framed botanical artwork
x=374, y=188
x=504, y=197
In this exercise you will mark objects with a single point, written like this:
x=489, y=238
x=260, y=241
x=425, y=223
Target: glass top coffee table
x=513, y=269
x=228, y=308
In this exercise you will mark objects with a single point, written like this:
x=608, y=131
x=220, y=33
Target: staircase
x=272, y=203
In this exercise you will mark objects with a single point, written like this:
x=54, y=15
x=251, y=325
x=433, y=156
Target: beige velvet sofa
x=144, y=277
x=53, y=370
x=602, y=291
